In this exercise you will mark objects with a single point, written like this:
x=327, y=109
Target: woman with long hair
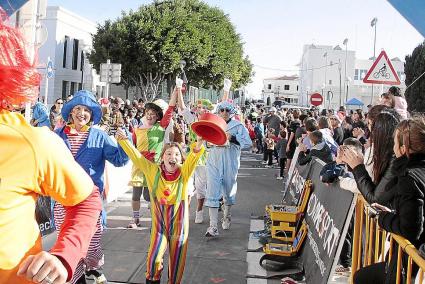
x=407, y=217
x=373, y=186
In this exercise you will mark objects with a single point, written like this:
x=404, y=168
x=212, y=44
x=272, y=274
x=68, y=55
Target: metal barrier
x=372, y=248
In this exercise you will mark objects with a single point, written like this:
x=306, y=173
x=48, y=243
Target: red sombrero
x=211, y=128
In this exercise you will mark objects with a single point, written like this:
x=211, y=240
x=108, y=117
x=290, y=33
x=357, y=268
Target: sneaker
x=199, y=217
x=226, y=223
x=134, y=224
x=212, y=231
x=269, y=166
x=279, y=178
x=264, y=162
x=99, y=277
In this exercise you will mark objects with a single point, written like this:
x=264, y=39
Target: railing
x=375, y=240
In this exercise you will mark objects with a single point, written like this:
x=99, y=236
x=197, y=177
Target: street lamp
x=373, y=24
x=340, y=87
x=345, y=42
x=182, y=65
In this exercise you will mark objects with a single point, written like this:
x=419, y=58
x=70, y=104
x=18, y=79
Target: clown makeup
x=151, y=117
x=172, y=159
x=81, y=115
x=224, y=113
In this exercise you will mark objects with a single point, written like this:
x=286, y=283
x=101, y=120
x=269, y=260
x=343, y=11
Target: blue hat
x=227, y=105
x=84, y=98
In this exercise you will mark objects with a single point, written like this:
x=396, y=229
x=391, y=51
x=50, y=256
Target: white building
x=283, y=88
x=69, y=39
x=335, y=73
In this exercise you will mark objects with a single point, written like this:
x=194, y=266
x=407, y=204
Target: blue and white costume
x=222, y=169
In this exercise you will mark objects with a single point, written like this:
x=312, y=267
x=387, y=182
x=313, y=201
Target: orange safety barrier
x=372, y=248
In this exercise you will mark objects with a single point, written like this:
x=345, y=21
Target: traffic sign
x=316, y=99
x=110, y=72
x=382, y=72
x=49, y=68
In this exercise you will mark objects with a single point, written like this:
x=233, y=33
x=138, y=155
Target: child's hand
x=120, y=134
x=352, y=157
x=302, y=148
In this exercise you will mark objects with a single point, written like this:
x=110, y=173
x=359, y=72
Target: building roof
x=288, y=78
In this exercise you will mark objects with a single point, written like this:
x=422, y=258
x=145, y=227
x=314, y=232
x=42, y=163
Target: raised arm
x=180, y=101
x=226, y=89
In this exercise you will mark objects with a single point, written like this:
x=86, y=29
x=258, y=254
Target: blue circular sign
x=49, y=69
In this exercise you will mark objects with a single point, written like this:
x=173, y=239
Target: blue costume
x=223, y=165
x=41, y=114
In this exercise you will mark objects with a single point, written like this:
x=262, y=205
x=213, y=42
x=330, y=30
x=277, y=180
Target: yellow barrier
x=373, y=248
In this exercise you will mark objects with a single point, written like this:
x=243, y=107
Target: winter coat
x=320, y=150
x=407, y=219
x=375, y=193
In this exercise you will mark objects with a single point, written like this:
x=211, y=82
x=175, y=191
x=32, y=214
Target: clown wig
x=19, y=79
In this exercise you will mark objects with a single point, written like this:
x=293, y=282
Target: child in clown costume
x=223, y=164
x=168, y=189
x=149, y=140
x=91, y=147
x=200, y=174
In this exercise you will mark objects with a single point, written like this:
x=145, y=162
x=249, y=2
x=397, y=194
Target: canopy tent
x=11, y=6
x=354, y=102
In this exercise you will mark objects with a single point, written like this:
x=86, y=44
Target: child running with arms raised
x=167, y=184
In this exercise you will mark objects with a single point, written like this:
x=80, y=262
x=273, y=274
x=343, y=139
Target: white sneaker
x=199, y=217
x=279, y=178
x=212, y=231
x=226, y=223
x=269, y=166
x=264, y=162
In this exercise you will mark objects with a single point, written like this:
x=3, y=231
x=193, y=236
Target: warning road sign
x=382, y=72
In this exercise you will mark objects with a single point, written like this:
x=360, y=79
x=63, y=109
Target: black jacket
x=321, y=151
x=373, y=193
x=407, y=220
x=338, y=135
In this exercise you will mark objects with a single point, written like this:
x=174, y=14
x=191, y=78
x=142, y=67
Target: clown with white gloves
x=223, y=164
x=200, y=174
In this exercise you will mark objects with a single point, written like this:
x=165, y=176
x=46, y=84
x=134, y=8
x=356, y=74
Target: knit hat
x=84, y=98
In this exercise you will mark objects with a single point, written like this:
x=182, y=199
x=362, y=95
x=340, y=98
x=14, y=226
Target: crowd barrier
x=373, y=246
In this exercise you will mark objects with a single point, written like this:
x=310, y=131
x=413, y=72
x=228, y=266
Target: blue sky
x=274, y=31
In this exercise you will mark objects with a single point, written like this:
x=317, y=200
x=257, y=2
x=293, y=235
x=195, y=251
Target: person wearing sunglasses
x=55, y=112
x=223, y=165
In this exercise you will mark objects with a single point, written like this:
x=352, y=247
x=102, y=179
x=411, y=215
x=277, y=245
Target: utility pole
x=373, y=24
x=340, y=87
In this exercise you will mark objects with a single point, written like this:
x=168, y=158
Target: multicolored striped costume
x=170, y=213
x=149, y=142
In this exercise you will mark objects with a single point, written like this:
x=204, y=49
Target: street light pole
x=340, y=87
x=373, y=24
x=345, y=67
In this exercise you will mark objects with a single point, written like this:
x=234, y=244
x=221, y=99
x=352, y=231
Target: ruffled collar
x=70, y=129
x=167, y=175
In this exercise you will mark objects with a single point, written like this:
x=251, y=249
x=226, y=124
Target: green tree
x=151, y=42
x=413, y=68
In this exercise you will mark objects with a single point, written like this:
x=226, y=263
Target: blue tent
x=11, y=6
x=354, y=102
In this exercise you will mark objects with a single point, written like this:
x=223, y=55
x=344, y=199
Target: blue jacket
x=95, y=150
x=41, y=114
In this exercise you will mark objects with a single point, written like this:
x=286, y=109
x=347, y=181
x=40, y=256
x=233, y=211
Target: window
x=72, y=90
x=297, y=87
x=75, y=55
x=64, y=89
x=269, y=86
x=80, y=86
x=330, y=82
x=356, y=74
x=286, y=87
x=65, y=48
x=82, y=61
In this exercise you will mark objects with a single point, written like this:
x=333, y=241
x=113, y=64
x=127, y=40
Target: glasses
x=224, y=109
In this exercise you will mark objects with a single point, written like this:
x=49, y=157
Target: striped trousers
x=170, y=228
x=95, y=258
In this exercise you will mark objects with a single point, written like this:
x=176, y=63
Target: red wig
x=19, y=79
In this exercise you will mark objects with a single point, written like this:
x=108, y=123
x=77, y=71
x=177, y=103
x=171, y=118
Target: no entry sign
x=316, y=99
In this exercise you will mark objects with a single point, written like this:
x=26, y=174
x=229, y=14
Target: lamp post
x=373, y=24
x=345, y=42
x=340, y=87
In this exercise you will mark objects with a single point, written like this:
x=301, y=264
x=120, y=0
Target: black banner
x=43, y=215
x=295, y=184
x=328, y=210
